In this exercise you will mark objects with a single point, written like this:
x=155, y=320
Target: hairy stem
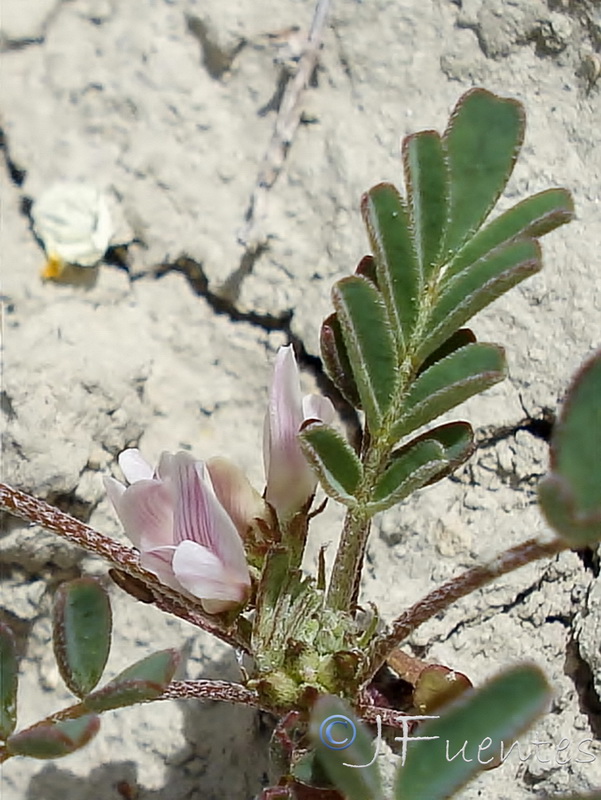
x=126, y=559
x=348, y=560
x=202, y=690
x=447, y=594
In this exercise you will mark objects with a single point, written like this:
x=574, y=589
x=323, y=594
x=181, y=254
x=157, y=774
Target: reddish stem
x=124, y=558
x=447, y=594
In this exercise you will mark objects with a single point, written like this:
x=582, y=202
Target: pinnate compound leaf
x=482, y=141
x=397, y=267
x=336, y=360
x=9, y=677
x=409, y=470
x=82, y=623
x=369, y=344
x=476, y=287
x=481, y=720
x=144, y=680
x=427, y=181
x=340, y=740
x=54, y=739
x=570, y=495
x=533, y=217
x=449, y=382
x=333, y=459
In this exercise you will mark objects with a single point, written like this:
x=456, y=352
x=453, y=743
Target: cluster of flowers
x=189, y=518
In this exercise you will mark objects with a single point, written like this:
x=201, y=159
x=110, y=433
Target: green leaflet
x=483, y=719
x=334, y=724
x=408, y=471
x=367, y=268
x=9, y=677
x=144, y=680
x=456, y=341
x=398, y=272
x=422, y=461
x=336, y=360
x=82, y=623
x=457, y=441
x=333, y=459
x=533, y=217
x=369, y=344
x=54, y=739
x=482, y=141
x=427, y=181
x=557, y=502
x=449, y=382
x=570, y=495
x=476, y=287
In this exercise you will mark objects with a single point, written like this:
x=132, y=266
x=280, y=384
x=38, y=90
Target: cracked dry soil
x=169, y=106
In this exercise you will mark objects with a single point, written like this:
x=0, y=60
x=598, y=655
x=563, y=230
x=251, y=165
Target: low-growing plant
x=213, y=551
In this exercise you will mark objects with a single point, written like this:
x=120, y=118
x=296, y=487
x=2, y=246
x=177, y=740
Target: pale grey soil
x=120, y=94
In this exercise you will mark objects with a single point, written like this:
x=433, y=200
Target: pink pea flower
x=183, y=532
x=290, y=479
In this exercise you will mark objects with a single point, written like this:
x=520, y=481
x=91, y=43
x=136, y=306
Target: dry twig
x=289, y=115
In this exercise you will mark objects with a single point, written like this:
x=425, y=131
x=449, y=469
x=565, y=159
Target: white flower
x=73, y=221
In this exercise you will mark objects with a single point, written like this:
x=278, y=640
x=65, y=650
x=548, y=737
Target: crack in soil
x=540, y=427
x=581, y=675
x=15, y=173
x=591, y=559
x=505, y=608
x=195, y=275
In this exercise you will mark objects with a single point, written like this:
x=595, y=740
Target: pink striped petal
x=146, y=512
x=284, y=415
x=202, y=574
x=134, y=467
x=198, y=515
x=290, y=480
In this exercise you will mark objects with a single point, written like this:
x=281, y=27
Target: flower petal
x=317, y=407
x=164, y=470
x=202, y=574
x=159, y=562
x=134, y=467
x=114, y=490
x=284, y=414
x=233, y=489
x=146, y=512
x=198, y=515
